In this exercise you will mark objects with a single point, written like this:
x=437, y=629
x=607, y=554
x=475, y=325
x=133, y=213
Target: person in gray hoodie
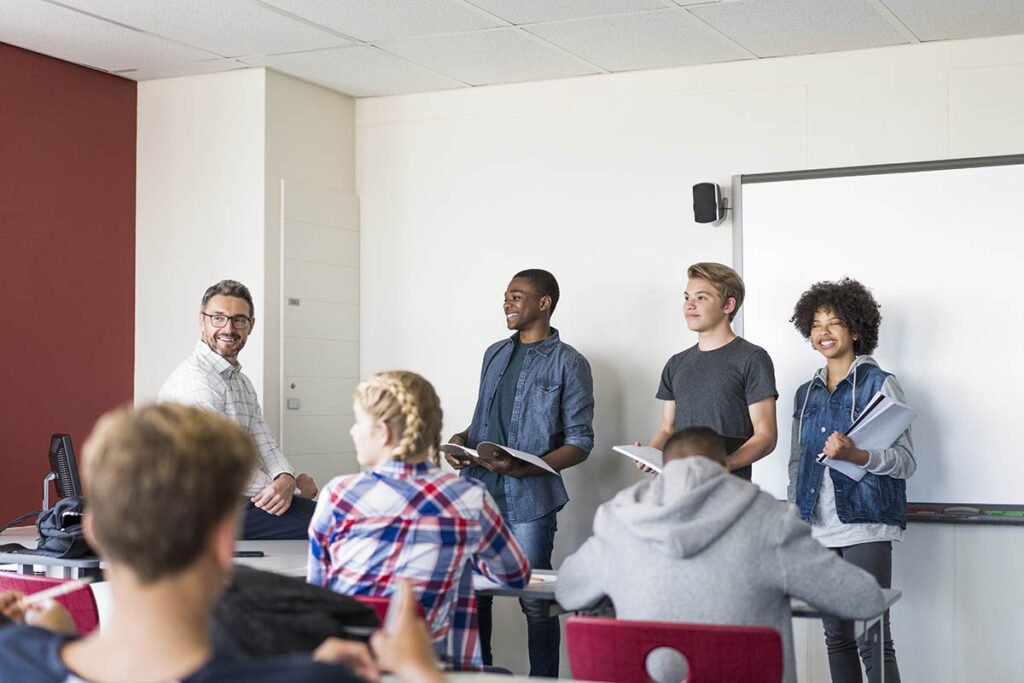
x=699, y=546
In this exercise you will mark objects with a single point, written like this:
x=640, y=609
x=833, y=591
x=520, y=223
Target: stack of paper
x=879, y=425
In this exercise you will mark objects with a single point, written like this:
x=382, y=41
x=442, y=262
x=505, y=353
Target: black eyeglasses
x=239, y=322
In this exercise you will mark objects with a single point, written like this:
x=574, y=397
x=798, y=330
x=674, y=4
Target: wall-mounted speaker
x=707, y=203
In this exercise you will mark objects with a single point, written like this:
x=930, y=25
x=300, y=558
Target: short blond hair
x=408, y=404
x=726, y=281
x=158, y=479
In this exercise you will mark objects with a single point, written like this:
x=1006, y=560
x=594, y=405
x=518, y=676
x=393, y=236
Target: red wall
x=67, y=260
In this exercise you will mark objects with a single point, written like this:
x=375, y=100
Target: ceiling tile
x=534, y=11
x=190, y=69
x=488, y=57
x=375, y=20
x=360, y=71
x=771, y=28
x=230, y=28
x=76, y=37
x=646, y=40
x=945, y=19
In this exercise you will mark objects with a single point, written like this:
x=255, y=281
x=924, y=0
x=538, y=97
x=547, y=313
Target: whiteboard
x=943, y=251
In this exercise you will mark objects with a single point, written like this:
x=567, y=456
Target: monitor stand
x=46, y=490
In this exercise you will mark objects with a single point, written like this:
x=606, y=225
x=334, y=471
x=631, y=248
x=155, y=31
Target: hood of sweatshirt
x=822, y=372
x=680, y=512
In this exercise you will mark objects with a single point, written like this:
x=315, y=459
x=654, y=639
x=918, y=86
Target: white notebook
x=645, y=455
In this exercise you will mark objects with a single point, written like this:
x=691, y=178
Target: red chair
x=81, y=603
x=380, y=604
x=602, y=649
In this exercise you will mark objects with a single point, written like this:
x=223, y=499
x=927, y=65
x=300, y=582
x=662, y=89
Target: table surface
x=289, y=558
x=26, y=536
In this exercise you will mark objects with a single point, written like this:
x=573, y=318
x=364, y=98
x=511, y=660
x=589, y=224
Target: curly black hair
x=848, y=300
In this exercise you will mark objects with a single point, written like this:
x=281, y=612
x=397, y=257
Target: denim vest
x=874, y=498
x=554, y=406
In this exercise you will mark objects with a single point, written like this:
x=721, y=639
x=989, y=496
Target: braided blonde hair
x=408, y=404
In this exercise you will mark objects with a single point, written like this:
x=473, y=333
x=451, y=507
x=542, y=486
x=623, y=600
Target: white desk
x=545, y=590
x=70, y=568
x=281, y=557
x=289, y=558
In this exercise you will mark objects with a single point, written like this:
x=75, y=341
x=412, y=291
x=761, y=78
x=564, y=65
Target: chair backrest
x=81, y=603
x=602, y=649
x=380, y=604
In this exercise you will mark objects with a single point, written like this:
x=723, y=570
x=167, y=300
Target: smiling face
x=370, y=437
x=225, y=341
x=703, y=307
x=830, y=337
x=523, y=307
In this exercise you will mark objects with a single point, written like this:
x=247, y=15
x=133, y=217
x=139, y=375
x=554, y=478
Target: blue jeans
x=537, y=539
x=293, y=524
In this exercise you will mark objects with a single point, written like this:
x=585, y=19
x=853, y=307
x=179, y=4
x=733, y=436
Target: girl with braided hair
x=404, y=518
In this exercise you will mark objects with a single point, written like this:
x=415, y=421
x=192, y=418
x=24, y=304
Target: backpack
x=60, y=531
x=262, y=614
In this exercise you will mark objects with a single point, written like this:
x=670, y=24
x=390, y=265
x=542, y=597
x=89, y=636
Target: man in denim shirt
x=536, y=395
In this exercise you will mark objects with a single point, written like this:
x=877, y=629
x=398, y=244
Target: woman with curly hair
x=859, y=520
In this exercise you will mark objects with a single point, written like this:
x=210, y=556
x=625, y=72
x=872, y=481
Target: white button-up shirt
x=208, y=380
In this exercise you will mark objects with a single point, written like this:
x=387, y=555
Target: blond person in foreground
x=167, y=563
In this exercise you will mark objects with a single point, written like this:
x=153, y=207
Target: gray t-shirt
x=714, y=388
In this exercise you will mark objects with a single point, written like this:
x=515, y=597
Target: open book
x=487, y=452
x=645, y=455
x=879, y=425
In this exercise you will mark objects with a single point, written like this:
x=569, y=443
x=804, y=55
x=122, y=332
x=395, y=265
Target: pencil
x=56, y=591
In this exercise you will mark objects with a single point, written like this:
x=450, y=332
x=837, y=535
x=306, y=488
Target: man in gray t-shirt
x=723, y=382
x=716, y=388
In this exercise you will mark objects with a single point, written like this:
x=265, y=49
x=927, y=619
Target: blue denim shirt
x=554, y=406
x=875, y=498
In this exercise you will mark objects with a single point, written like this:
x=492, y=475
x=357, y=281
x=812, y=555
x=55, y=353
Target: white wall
x=591, y=178
x=310, y=138
x=199, y=213
x=212, y=151
x=320, y=328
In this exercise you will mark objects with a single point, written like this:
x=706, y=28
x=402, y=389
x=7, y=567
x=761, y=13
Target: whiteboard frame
x=969, y=513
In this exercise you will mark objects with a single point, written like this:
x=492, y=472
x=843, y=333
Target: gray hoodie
x=699, y=545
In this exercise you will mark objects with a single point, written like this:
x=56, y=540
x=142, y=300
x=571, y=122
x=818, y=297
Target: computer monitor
x=63, y=469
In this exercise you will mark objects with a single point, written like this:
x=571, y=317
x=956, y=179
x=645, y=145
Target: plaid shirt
x=415, y=522
x=208, y=380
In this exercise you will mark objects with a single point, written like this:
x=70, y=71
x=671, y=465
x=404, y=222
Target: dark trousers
x=537, y=539
x=293, y=524
x=876, y=559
